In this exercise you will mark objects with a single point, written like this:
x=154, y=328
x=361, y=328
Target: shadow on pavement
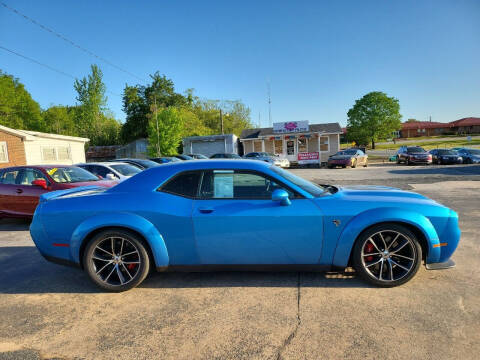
x=452, y=170
x=24, y=271
x=7, y=224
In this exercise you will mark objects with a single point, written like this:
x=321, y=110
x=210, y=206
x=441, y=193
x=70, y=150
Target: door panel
x=257, y=232
x=28, y=194
x=8, y=194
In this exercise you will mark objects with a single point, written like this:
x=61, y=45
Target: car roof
x=47, y=166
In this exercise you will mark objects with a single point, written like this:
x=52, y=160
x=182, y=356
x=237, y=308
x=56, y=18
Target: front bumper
x=441, y=266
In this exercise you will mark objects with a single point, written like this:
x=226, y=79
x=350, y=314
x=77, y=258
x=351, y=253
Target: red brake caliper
x=131, y=266
x=368, y=249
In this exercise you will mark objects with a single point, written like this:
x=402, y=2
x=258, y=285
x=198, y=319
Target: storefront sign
x=290, y=127
x=308, y=157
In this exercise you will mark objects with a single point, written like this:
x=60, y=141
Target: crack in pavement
x=292, y=335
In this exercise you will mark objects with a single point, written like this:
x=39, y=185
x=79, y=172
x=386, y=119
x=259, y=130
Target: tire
x=330, y=166
x=344, y=166
x=366, y=163
x=120, y=273
x=407, y=162
x=393, y=267
x=354, y=163
x=398, y=160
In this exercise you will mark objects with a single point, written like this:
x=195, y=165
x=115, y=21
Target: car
x=348, y=157
x=198, y=156
x=22, y=186
x=140, y=163
x=165, y=159
x=469, y=156
x=445, y=156
x=270, y=158
x=241, y=215
x=111, y=170
x=184, y=157
x=225, y=156
x=413, y=155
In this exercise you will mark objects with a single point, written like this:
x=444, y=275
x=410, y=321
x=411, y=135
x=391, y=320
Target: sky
x=319, y=56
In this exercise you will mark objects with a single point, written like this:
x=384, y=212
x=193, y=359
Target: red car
x=21, y=186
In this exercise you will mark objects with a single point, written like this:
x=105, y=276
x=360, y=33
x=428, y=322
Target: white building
x=24, y=147
x=298, y=141
x=210, y=144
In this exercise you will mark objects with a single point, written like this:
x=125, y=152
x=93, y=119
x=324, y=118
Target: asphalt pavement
x=48, y=311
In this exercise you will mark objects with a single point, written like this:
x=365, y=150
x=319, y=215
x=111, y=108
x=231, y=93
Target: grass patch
x=428, y=145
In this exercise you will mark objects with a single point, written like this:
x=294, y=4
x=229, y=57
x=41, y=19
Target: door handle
x=205, y=210
x=19, y=191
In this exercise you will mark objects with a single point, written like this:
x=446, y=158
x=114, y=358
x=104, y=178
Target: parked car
x=198, y=156
x=111, y=170
x=470, y=156
x=413, y=155
x=184, y=157
x=225, y=156
x=445, y=156
x=348, y=157
x=140, y=163
x=21, y=186
x=228, y=214
x=165, y=159
x=270, y=158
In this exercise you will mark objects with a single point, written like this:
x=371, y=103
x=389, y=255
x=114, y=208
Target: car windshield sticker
x=52, y=171
x=223, y=185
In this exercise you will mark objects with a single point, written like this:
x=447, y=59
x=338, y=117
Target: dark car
x=165, y=159
x=140, y=163
x=262, y=156
x=348, y=157
x=413, y=155
x=21, y=186
x=184, y=157
x=225, y=156
x=198, y=156
x=445, y=156
x=469, y=156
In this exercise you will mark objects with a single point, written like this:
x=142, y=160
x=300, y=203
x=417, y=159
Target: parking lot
x=48, y=311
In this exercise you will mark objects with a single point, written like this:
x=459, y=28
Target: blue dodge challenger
x=249, y=215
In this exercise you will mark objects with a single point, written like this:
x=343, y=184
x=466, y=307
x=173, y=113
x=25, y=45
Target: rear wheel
x=354, y=163
x=366, y=163
x=116, y=260
x=387, y=255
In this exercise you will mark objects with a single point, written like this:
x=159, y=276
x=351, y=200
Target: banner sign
x=308, y=157
x=290, y=127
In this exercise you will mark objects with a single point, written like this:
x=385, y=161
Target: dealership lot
x=51, y=311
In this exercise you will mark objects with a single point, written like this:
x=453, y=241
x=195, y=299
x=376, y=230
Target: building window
x=49, y=154
x=278, y=146
x=323, y=143
x=63, y=153
x=290, y=147
x=302, y=145
x=3, y=152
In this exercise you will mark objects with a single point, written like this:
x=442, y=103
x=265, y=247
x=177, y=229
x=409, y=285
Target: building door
x=291, y=150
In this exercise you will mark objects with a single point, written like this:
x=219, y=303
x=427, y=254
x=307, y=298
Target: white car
x=281, y=162
x=111, y=170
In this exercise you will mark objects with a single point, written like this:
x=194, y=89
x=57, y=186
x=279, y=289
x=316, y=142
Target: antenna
x=269, y=104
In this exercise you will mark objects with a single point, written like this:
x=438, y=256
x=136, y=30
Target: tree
x=375, y=116
x=17, y=108
x=92, y=103
x=60, y=119
x=165, y=128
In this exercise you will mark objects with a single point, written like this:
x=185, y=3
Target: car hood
x=376, y=192
x=341, y=157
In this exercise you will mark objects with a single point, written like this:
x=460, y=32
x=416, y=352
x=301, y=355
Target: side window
x=185, y=185
x=29, y=175
x=229, y=184
x=10, y=177
x=100, y=170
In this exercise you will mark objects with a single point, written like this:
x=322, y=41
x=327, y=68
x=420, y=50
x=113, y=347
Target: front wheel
x=387, y=255
x=354, y=163
x=366, y=163
x=116, y=260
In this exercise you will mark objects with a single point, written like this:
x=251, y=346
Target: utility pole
x=221, y=120
x=269, y=104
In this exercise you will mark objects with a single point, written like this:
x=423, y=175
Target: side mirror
x=40, y=182
x=100, y=177
x=281, y=196
x=110, y=176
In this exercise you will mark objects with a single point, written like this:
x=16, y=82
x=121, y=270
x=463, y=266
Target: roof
x=331, y=128
x=424, y=125
x=470, y=121
x=29, y=135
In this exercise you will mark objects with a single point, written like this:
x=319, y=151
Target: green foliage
x=165, y=128
x=60, y=120
x=17, y=108
x=375, y=116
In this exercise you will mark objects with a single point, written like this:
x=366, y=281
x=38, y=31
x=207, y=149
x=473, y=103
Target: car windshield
x=415, y=150
x=447, y=152
x=232, y=156
x=474, y=151
x=126, y=169
x=70, y=174
x=146, y=163
x=311, y=188
x=347, y=152
x=199, y=156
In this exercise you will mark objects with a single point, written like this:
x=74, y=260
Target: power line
x=46, y=66
x=53, y=32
